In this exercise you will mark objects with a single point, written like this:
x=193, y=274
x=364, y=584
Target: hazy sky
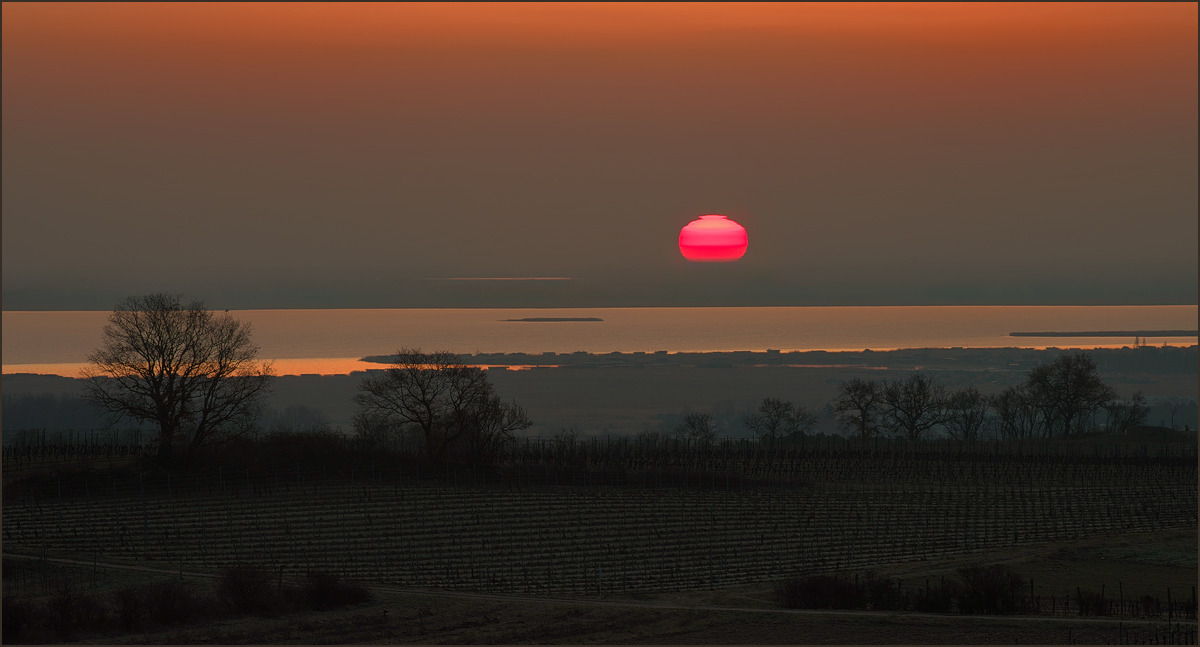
x=273, y=155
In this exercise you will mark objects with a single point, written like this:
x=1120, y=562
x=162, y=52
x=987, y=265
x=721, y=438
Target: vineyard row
x=545, y=540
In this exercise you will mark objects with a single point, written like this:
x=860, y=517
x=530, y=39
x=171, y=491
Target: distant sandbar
x=544, y=319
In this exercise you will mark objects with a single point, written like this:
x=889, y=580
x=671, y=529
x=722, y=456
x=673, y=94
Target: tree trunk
x=164, y=443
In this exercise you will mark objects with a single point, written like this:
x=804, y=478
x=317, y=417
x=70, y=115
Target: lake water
x=332, y=341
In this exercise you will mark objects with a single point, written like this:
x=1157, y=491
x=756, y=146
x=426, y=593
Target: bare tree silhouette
x=913, y=406
x=489, y=425
x=1121, y=415
x=184, y=368
x=700, y=427
x=1016, y=414
x=444, y=398
x=1068, y=393
x=778, y=419
x=858, y=406
x=966, y=414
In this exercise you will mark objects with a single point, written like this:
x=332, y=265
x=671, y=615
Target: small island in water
x=1109, y=333
x=545, y=319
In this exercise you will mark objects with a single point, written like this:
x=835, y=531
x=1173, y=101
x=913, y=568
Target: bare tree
x=190, y=371
x=1068, y=393
x=489, y=426
x=1123, y=414
x=700, y=427
x=566, y=444
x=296, y=418
x=779, y=419
x=649, y=439
x=1017, y=416
x=858, y=406
x=445, y=399
x=803, y=422
x=966, y=414
x=374, y=431
x=913, y=406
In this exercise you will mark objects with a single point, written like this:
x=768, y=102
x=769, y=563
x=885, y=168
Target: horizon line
x=635, y=307
x=501, y=278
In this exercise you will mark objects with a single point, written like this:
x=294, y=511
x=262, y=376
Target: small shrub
x=292, y=598
x=19, y=617
x=172, y=603
x=1146, y=606
x=819, y=592
x=71, y=612
x=130, y=605
x=880, y=592
x=246, y=590
x=991, y=589
x=12, y=567
x=1091, y=603
x=60, y=609
x=939, y=600
x=328, y=591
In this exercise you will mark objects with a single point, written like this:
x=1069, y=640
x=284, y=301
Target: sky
x=356, y=155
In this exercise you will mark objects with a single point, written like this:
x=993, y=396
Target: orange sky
x=371, y=24
x=334, y=130
x=1020, y=48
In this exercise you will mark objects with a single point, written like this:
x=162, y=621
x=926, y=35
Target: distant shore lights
x=712, y=239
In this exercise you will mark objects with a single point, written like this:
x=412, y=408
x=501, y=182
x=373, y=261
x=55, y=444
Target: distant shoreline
x=1110, y=333
x=991, y=359
x=997, y=358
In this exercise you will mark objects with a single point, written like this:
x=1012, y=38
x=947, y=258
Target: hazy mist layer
x=1036, y=155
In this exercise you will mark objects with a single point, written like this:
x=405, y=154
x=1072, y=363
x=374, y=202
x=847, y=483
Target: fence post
x=145, y=517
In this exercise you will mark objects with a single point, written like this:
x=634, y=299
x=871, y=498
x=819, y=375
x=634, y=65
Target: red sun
x=712, y=239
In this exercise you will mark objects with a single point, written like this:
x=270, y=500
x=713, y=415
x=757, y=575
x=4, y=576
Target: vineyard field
x=542, y=529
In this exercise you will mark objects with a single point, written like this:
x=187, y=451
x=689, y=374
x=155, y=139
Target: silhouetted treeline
x=1064, y=398
x=1144, y=359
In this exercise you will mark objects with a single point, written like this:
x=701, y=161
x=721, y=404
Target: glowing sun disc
x=712, y=239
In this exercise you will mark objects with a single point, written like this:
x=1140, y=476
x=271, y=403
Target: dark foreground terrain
x=612, y=541
x=738, y=615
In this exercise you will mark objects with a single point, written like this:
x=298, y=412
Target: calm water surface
x=331, y=341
